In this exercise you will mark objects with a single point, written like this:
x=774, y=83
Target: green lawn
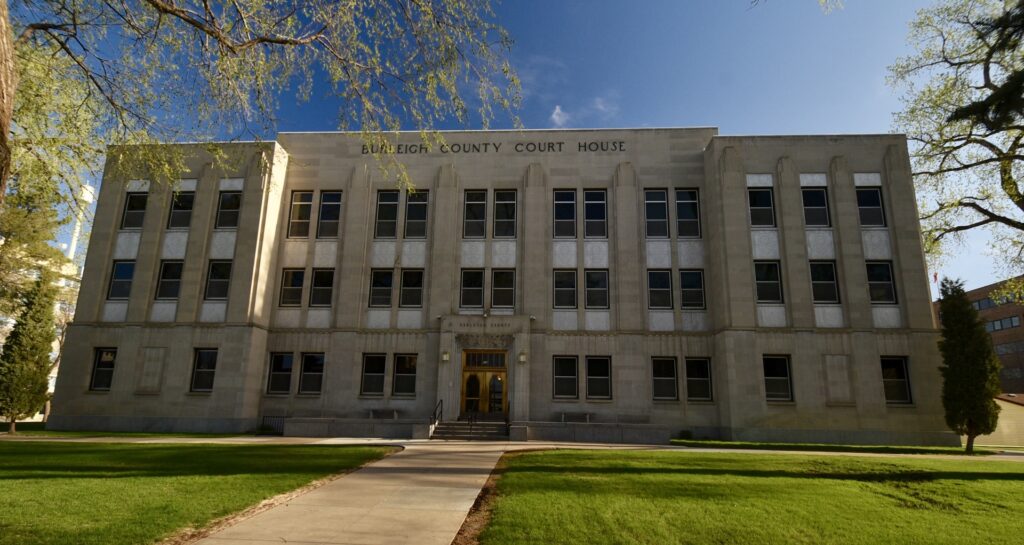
x=825, y=447
x=104, y=493
x=38, y=429
x=670, y=497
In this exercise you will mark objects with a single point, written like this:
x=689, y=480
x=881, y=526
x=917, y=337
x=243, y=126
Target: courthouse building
x=621, y=285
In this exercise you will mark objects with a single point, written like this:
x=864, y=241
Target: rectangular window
x=896, y=380
x=666, y=386
x=762, y=207
x=565, y=288
x=869, y=204
x=280, y=379
x=381, y=282
x=565, y=213
x=1004, y=323
x=321, y=289
x=373, y=375
x=416, y=214
x=218, y=280
x=328, y=219
x=698, y=379
x=566, y=381
x=599, y=377
x=404, y=381
x=169, y=283
x=656, y=213
x=386, y=225
x=311, y=381
x=659, y=289
x=228, y=206
x=292, y=281
x=472, y=289
x=102, y=369
x=411, y=292
x=778, y=385
x=503, y=288
x=687, y=213
x=768, y=280
x=474, y=221
x=881, y=287
x=816, y=207
x=595, y=213
x=595, y=286
x=204, y=367
x=181, y=210
x=692, y=285
x=134, y=210
x=505, y=213
x=824, y=286
x=298, y=217
x=121, y=280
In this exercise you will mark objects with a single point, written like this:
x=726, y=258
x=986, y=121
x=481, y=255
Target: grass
x=824, y=447
x=679, y=497
x=38, y=429
x=106, y=493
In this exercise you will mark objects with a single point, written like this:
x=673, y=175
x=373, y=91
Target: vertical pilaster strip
x=793, y=245
x=628, y=272
x=849, y=248
x=355, y=262
x=148, y=256
x=734, y=246
x=911, y=267
x=535, y=262
x=193, y=273
x=444, y=243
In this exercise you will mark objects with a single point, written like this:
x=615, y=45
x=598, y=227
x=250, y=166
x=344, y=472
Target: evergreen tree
x=25, y=360
x=970, y=368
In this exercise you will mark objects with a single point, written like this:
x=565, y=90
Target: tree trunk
x=10, y=427
x=970, y=444
x=8, y=86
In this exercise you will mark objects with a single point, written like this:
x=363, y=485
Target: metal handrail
x=436, y=417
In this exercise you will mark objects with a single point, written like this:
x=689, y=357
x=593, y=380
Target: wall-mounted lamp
x=445, y=356
x=522, y=357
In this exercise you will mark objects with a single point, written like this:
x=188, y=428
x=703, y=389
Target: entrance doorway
x=484, y=384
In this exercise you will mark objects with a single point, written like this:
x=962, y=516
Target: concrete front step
x=467, y=431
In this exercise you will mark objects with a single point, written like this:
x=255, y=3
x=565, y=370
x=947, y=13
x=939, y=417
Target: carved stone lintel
x=497, y=342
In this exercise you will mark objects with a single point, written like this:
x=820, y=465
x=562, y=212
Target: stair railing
x=438, y=409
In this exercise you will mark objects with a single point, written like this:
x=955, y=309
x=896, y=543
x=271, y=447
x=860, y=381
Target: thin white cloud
x=606, y=106
x=559, y=118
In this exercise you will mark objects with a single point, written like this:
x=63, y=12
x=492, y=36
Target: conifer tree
x=25, y=359
x=970, y=368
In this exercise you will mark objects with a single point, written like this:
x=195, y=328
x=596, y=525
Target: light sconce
x=522, y=357
x=445, y=356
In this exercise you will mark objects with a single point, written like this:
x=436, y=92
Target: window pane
x=595, y=214
x=687, y=213
x=565, y=378
x=103, y=369
x=280, y=380
x=181, y=210
x=412, y=289
x=565, y=214
x=596, y=285
x=472, y=295
x=656, y=213
x=203, y=370
x=475, y=215
x=505, y=213
x=121, y=280
x=762, y=212
x=311, y=380
x=373, y=374
x=301, y=210
x=387, y=214
x=380, y=288
x=321, y=291
x=503, y=292
x=416, y=214
x=405, y=375
x=329, y=217
x=218, y=280
x=565, y=289
x=134, y=210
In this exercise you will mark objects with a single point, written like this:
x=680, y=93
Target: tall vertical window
x=169, y=284
x=102, y=369
x=595, y=286
x=505, y=213
x=218, y=280
x=687, y=213
x=566, y=379
x=595, y=213
x=472, y=289
x=299, y=214
x=768, y=281
x=881, y=287
x=373, y=375
x=762, y=207
x=778, y=384
x=416, y=214
x=666, y=385
x=869, y=204
x=503, y=288
x=411, y=292
x=328, y=219
x=321, y=289
x=134, y=210
x=386, y=225
x=565, y=288
x=279, y=380
x=656, y=213
x=311, y=380
x=204, y=367
x=292, y=281
x=474, y=221
x=816, y=207
x=404, y=381
x=229, y=204
x=565, y=213
x=599, y=377
x=121, y=280
x=698, y=379
x=659, y=289
x=692, y=289
x=896, y=380
x=181, y=210
x=381, y=282
x=824, y=287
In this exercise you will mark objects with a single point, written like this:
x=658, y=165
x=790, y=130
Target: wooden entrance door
x=484, y=383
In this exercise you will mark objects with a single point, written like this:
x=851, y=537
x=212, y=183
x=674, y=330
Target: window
x=687, y=213
x=169, y=283
x=329, y=217
x=768, y=282
x=311, y=380
x=698, y=379
x=228, y=206
x=280, y=379
x=203, y=369
x=816, y=207
x=134, y=210
x=880, y=284
x=298, y=219
x=762, y=208
x=102, y=369
x=411, y=292
x=503, y=288
x=404, y=381
x=869, y=204
x=656, y=213
x=505, y=214
x=599, y=377
x=472, y=292
x=986, y=303
x=381, y=281
x=595, y=213
x=666, y=387
x=416, y=214
x=659, y=289
x=321, y=289
x=373, y=375
x=565, y=288
x=777, y=383
x=387, y=215
x=474, y=222
x=121, y=280
x=292, y=281
x=1005, y=323
x=566, y=383
x=565, y=213
x=896, y=380
x=218, y=279
x=595, y=286
x=824, y=287
x=692, y=286
x=181, y=210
